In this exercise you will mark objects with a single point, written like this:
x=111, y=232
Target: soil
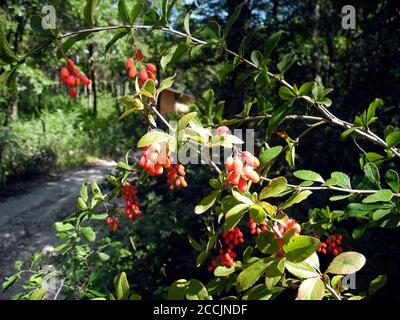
x=27, y=218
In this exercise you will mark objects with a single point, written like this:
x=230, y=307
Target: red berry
x=64, y=73
x=151, y=68
x=151, y=76
x=143, y=76
x=85, y=80
x=132, y=72
x=70, y=81
x=73, y=93
x=70, y=64
x=129, y=63
x=139, y=55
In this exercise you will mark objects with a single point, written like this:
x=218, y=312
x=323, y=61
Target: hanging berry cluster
x=255, y=229
x=176, y=176
x=332, y=245
x=241, y=169
x=113, y=223
x=131, y=204
x=145, y=73
x=71, y=76
x=156, y=158
x=227, y=256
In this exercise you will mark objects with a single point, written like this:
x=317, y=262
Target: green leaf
x=136, y=10
x=165, y=84
x=119, y=34
x=88, y=233
x=342, y=179
x=10, y=281
x=257, y=213
x=311, y=289
x=195, y=290
x=186, y=23
x=308, y=175
x=201, y=258
x=243, y=197
x=222, y=271
x=123, y=12
x=206, y=203
x=96, y=192
x=88, y=11
x=61, y=227
x=286, y=62
x=274, y=273
x=372, y=174
x=275, y=187
x=149, y=89
x=68, y=43
x=257, y=58
x=7, y=56
x=153, y=136
x=184, y=121
x=384, y=195
x=296, y=197
x=267, y=242
x=346, y=263
x=393, y=180
x=7, y=78
x=277, y=118
x=103, y=256
x=267, y=155
x=371, y=110
x=377, y=284
x=234, y=215
x=232, y=20
x=306, y=88
x=173, y=54
x=121, y=287
x=212, y=30
x=177, y=290
x=285, y=93
x=82, y=205
x=300, y=248
x=271, y=43
x=345, y=134
x=302, y=270
x=393, y=139
x=37, y=294
x=249, y=276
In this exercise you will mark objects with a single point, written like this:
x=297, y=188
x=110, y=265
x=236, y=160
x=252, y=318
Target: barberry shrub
x=253, y=247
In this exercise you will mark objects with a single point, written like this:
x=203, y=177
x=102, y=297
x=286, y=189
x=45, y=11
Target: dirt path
x=27, y=220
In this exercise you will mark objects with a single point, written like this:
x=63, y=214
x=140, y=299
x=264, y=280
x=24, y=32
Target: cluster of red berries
x=255, y=229
x=233, y=237
x=227, y=256
x=71, y=76
x=332, y=245
x=148, y=72
x=155, y=158
x=292, y=224
x=131, y=204
x=176, y=176
x=113, y=223
x=241, y=169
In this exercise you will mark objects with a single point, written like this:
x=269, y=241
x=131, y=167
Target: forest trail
x=27, y=220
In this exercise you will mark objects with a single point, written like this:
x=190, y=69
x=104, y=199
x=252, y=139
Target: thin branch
x=345, y=190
